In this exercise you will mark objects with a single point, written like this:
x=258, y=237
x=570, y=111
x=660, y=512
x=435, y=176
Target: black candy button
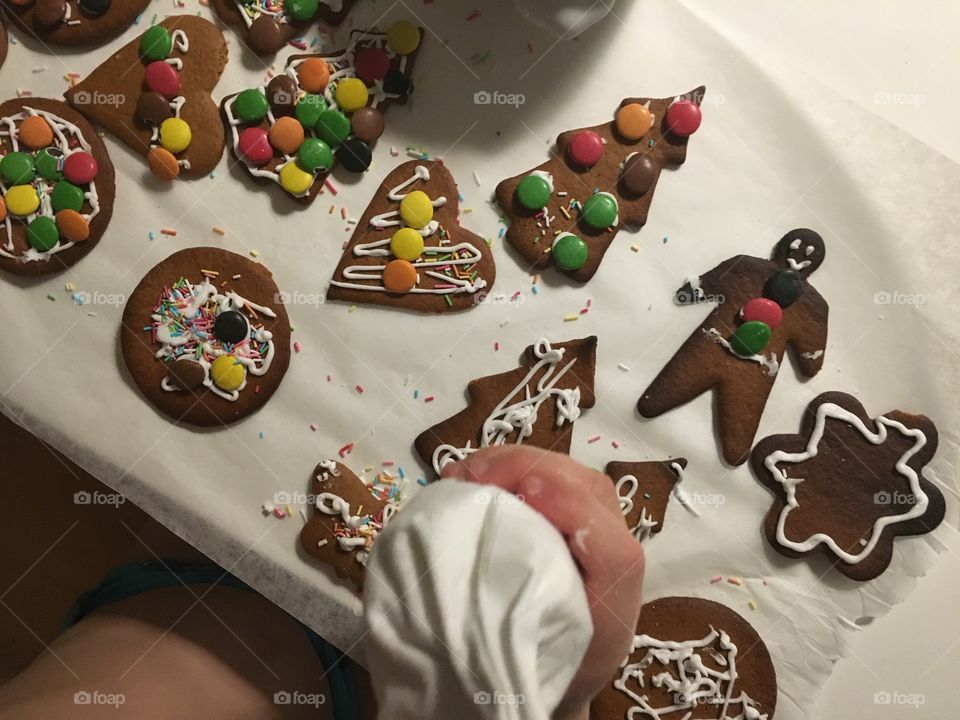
x=94, y=7
x=784, y=287
x=231, y=326
x=396, y=83
x=354, y=155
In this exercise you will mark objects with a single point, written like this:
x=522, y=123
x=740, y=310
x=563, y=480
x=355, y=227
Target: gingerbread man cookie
x=643, y=489
x=73, y=22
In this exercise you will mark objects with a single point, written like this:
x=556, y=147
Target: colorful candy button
x=406, y=244
x=309, y=110
x=367, y=124
x=49, y=12
x=371, y=64
x=399, y=276
x=80, y=167
x=163, y=78
x=286, y=135
x=227, y=373
x=22, y=200
x=47, y=165
x=569, y=252
x=416, y=209
x=294, y=179
x=66, y=196
x=315, y=155
x=265, y=35
x=585, y=149
x=253, y=145
x=282, y=94
x=72, y=225
x=784, y=287
x=750, y=338
x=534, y=192
x=333, y=127
x=42, y=233
x=156, y=43
x=683, y=118
x=163, y=164
x=186, y=373
x=251, y=105
x=352, y=94
x=301, y=10
x=3, y=210
x=403, y=37
x=313, y=75
x=17, y=168
x=152, y=109
x=397, y=83
x=35, y=132
x=94, y=7
x=639, y=174
x=175, y=135
x=763, y=310
x=355, y=155
x=600, y=210
x=231, y=326
x=634, y=121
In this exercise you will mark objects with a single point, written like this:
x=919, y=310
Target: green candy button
x=600, y=210
x=533, y=192
x=42, y=233
x=333, y=127
x=66, y=196
x=750, y=338
x=251, y=105
x=315, y=155
x=47, y=165
x=17, y=168
x=156, y=43
x=309, y=110
x=302, y=10
x=569, y=252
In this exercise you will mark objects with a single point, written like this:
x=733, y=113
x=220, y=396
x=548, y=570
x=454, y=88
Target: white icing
x=770, y=362
x=645, y=524
x=812, y=355
x=679, y=493
x=545, y=175
x=795, y=265
x=831, y=410
x=329, y=468
x=795, y=244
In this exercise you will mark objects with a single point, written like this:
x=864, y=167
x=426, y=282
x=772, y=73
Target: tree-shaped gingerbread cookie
x=643, y=490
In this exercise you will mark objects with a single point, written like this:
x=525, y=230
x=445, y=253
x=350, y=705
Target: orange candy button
x=35, y=132
x=634, y=121
x=286, y=134
x=3, y=210
x=314, y=74
x=399, y=276
x=162, y=163
x=72, y=225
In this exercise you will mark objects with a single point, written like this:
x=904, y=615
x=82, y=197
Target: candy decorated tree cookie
x=268, y=25
x=154, y=96
x=57, y=186
x=762, y=306
x=566, y=212
x=535, y=404
x=73, y=22
x=847, y=485
x=322, y=109
x=643, y=490
x=409, y=249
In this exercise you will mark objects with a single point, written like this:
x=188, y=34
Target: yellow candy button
x=294, y=179
x=403, y=37
x=406, y=244
x=22, y=200
x=352, y=94
x=227, y=374
x=175, y=135
x=416, y=210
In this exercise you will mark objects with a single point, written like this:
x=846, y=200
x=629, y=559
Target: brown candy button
x=186, y=374
x=282, y=94
x=266, y=35
x=367, y=124
x=50, y=12
x=639, y=174
x=153, y=108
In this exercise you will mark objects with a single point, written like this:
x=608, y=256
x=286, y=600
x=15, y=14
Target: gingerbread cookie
x=57, y=186
x=154, y=96
x=535, y=404
x=323, y=108
x=762, y=307
x=567, y=211
x=849, y=484
x=73, y=22
x=691, y=658
x=4, y=40
x=409, y=249
x=643, y=489
x=206, y=337
x=347, y=517
x=270, y=24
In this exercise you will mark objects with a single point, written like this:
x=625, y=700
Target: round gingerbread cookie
x=57, y=186
x=206, y=337
x=691, y=658
x=73, y=22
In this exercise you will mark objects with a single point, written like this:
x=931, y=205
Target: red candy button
x=80, y=167
x=683, y=118
x=163, y=78
x=586, y=148
x=371, y=64
x=254, y=145
x=763, y=310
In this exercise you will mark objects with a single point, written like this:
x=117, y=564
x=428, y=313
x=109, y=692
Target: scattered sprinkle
x=624, y=367
x=358, y=388
x=571, y=318
x=314, y=427
x=345, y=450
x=51, y=297
x=476, y=178
x=297, y=347
x=615, y=444
x=421, y=481
x=715, y=579
x=735, y=581
x=593, y=439
x=752, y=604
x=496, y=347
x=322, y=542
x=218, y=230
x=168, y=231
x=151, y=235
x=635, y=247
x=473, y=16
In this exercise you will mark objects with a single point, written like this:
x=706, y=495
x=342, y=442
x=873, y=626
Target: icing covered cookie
x=322, y=109
x=57, y=186
x=268, y=25
x=535, y=404
x=567, y=211
x=348, y=513
x=691, y=658
x=206, y=337
x=409, y=249
x=73, y=22
x=847, y=485
x=154, y=96
x=643, y=489
x=762, y=306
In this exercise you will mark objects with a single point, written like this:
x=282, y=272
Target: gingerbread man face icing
x=802, y=251
x=73, y=22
